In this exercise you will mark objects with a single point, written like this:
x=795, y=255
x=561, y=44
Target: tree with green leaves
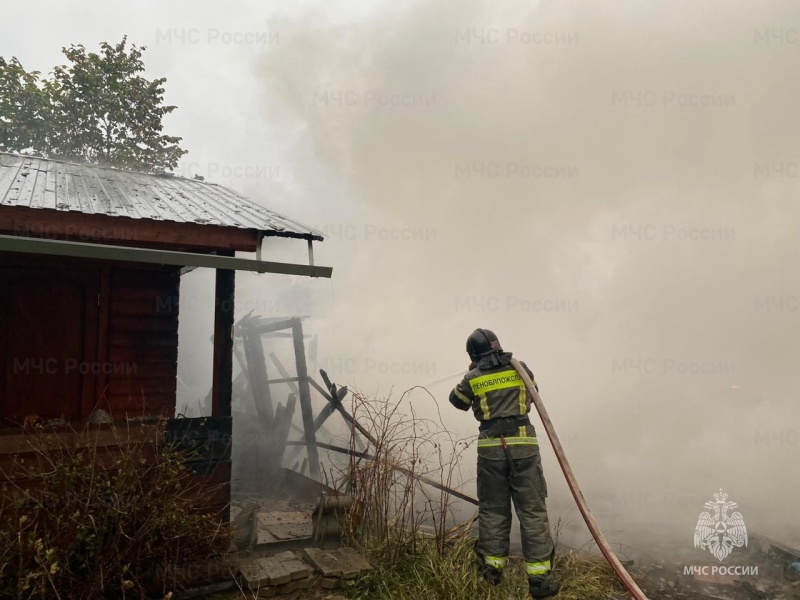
x=98, y=109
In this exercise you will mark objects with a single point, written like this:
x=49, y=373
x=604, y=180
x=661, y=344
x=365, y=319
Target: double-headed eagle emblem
x=720, y=533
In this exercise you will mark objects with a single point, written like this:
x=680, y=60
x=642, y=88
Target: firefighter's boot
x=490, y=573
x=543, y=586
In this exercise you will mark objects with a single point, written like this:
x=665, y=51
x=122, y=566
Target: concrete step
x=289, y=571
x=345, y=563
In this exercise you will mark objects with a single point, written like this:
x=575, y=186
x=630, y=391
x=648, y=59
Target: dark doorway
x=48, y=330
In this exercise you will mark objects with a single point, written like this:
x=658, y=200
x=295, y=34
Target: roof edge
x=306, y=232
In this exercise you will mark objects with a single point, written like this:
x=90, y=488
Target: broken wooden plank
x=282, y=435
x=334, y=397
x=324, y=446
x=323, y=415
x=344, y=413
x=274, y=433
x=283, y=380
x=257, y=368
x=293, y=386
x=426, y=480
x=292, y=381
x=306, y=409
x=334, y=406
x=261, y=329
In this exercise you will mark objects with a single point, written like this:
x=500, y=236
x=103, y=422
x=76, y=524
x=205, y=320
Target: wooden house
x=90, y=266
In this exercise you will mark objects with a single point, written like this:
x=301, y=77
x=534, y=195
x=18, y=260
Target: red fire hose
x=598, y=536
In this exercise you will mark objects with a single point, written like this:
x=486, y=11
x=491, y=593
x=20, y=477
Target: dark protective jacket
x=496, y=394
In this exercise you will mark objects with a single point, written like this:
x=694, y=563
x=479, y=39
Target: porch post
x=222, y=386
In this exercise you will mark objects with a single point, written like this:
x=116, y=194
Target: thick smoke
x=611, y=188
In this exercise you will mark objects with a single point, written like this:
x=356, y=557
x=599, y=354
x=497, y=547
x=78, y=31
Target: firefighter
x=509, y=465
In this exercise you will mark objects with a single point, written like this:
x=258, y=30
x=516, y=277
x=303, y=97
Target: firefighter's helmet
x=482, y=342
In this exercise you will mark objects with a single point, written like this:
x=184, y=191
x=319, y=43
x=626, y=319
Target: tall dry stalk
x=408, y=528
x=393, y=508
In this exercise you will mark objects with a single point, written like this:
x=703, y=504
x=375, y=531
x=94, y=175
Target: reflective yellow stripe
x=496, y=381
x=538, y=568
x=523, y=431
x=485, y=407
x=462, y=397
x=510, y=441
x=498, y=562
x=523, y=397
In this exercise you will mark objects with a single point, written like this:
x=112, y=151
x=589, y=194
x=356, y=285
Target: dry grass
x=425, y=573
x=587, y=577
x=407, y=529
x=80, y=520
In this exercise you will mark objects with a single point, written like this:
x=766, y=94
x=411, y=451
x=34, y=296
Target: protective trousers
x=497, y=488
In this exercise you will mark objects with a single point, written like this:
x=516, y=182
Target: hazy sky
x=611, y=187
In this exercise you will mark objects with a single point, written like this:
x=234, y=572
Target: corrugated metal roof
x=33, y=182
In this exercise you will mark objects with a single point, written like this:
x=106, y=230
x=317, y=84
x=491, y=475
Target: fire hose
x=598, y=536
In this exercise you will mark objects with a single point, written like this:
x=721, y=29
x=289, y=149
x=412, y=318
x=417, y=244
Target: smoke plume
x=611, y=188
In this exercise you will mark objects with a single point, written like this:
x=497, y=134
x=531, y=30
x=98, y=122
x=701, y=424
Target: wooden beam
x=334, y=448
x=70, y=225
x=323, y=415
x=222, y=386
x=306, y=409
x=292, y=383
x=257, y=367
x=332, y=398
x=328, y=409
x=94, y=251
x=283, y=431
x=16, y=441
x=274, y=326
x=284, y=380
x=427, y=480
x=273, y=434
x=347, y=416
